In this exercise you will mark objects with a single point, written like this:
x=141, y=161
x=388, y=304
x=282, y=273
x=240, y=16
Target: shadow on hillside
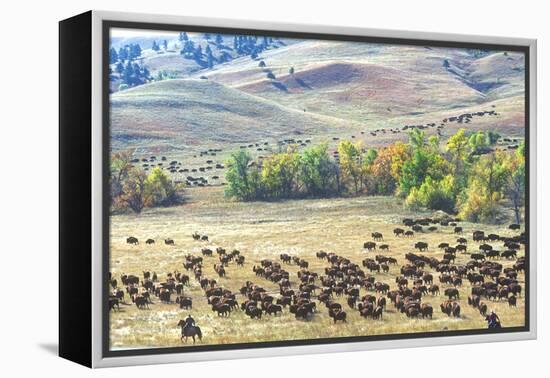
x=279, y=85
x=302, y=83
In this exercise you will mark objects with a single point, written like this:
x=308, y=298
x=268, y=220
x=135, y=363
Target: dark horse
x=190, y=331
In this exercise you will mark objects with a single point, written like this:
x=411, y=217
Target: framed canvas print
x=236, y=189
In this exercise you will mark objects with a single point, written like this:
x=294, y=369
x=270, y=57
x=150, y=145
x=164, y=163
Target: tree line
x=133, y=189
x=464, y=176
x=205, y=57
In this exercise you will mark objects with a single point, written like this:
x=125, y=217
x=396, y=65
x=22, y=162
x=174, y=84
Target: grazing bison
x=149, y=241
x=509, y=254
x=141, y=302
x=477, y=256
x=222, y=309
x=377, y=313
x=369, y=246
x=452, y=293
x=253, y=312
x=421, y=246
x=273, y=309
x=132, y=240
x=426, y=310
x=478, y=236
x=483, y=309
x=377, y=236
x=337, y=315
x=113, y=303
x=168, y=242
x=185, y=302
x=485, y=247
x=450, y=308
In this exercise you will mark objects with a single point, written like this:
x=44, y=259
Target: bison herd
x=344, y=286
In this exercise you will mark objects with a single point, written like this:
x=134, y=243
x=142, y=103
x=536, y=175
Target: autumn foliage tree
x=133, y=189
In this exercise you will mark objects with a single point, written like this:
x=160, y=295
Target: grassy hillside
x=334, y=89
x=191, y=112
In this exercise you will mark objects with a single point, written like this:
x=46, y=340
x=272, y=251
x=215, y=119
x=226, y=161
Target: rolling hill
x=313, y=88
x=369, y=82
x=187, y=112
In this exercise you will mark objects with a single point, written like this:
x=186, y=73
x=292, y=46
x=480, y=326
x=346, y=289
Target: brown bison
x=132, y=240
x=452, y=293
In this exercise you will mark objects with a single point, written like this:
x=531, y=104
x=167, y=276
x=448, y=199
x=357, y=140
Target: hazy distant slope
x=368, y=82
x=190, y=112
x=499, y=75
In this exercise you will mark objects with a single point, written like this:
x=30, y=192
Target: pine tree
x=219, y=39
x=155, y=47
x=113, y=56
x=119, y=68
x=198, y=53
x=134, y=51
x=165, y=44
x=291, y=71
x=207, y=36
x=209, y=57
x=122, y=54
x=128, y=74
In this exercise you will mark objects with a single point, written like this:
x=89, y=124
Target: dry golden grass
x=265, y=230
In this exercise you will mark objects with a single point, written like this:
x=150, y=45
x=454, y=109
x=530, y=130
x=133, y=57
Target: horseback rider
x=493, y=320
x=189, y=322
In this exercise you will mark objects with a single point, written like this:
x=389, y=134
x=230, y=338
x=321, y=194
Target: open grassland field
x=265, y=231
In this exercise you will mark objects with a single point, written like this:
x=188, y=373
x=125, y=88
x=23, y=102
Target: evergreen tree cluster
x=125, y=67
x=126, y=52
x=205, y=56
